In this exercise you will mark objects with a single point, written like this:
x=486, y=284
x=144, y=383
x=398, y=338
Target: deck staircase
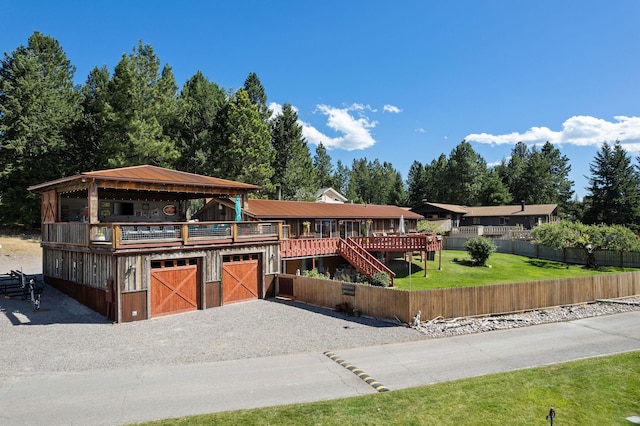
x=362, y=260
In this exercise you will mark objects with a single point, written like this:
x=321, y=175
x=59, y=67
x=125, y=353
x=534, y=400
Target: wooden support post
x=185, y=233
x=426, y=259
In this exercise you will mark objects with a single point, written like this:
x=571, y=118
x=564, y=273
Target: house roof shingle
x=511, y=210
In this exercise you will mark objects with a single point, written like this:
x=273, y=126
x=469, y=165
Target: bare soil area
x=20, y=252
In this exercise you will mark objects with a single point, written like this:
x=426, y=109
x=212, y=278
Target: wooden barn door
x=174, y=286
x=49, y=206
x=240, y=278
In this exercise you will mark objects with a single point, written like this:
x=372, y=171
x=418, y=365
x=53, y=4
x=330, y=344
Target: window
x=476, y=221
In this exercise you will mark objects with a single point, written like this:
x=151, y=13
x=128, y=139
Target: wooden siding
x=87, y=268
x=465, y=301
x=73, y=233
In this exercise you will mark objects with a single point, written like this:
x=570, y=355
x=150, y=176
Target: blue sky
x=397, y=81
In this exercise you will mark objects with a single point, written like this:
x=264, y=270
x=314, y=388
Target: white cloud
x=276, y=109
x=351, y=123
x=578, y=130
x=420, y=130
x=356, y=132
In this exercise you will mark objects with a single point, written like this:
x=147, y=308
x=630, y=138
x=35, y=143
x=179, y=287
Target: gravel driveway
x=67, y=336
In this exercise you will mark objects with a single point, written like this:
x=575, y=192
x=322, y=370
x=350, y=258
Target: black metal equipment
x=17, y=283
x=551, y=415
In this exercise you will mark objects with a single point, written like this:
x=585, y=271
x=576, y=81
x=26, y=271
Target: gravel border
x=439, y=327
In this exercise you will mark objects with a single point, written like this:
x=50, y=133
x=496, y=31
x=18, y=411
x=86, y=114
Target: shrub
x=380, y=279
x=480, y=248
x=315, y=274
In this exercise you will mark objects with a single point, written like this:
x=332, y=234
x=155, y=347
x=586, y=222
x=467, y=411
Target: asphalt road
x=120, y=396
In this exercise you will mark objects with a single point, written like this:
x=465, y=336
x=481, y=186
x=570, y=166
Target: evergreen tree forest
x=137, y=113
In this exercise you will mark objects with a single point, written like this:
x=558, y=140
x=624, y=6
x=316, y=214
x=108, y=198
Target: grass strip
x=594, y=391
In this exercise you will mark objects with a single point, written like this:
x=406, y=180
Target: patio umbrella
x=401, y=228
x=238, y=209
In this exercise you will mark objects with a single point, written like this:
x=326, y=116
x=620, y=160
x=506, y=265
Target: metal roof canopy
x=153, y=180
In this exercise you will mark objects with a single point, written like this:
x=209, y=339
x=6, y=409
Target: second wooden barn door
x=174, y=287
x=240, y=278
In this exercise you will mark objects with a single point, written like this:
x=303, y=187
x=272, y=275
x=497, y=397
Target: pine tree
x=292, y=161
x=89, y=142
x=416, y=184
x=465, y=171
x=323, y=167
x=341, y=178
x=614, y=197
x=257, y=95
x=244, y=150
x=199, y=104
x=38, y=108
x=144, y=103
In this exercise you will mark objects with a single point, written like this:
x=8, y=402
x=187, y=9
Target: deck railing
x=305, y=247
x=126, y=235
x=514, y=232
x=362, y=260
x=401, y=243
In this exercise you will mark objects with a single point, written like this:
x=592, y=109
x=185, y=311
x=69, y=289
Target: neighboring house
x=330, y=195
x=438, y=211
x=521, y=215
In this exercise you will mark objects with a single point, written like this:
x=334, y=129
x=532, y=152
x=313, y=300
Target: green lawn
x=596, y=391
x=505, y=268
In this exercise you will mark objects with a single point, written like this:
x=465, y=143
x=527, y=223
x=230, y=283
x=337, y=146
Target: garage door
x=174, y=286
x=240, y=278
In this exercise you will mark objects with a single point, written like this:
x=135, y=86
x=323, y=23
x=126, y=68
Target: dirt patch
x=20, y=245
x=20, y=252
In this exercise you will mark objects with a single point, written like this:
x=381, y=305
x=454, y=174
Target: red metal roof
x=150, y=174
x=278, y=209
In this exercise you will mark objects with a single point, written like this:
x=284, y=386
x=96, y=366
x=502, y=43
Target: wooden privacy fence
x=461, y=301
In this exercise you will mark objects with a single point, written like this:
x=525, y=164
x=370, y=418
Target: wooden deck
x=119, y=236
x=306, y=247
